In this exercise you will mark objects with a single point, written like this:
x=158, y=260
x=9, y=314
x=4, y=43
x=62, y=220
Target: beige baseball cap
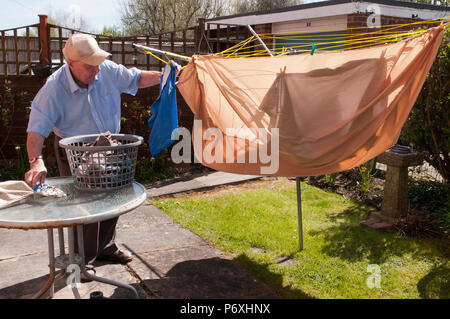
x=84, y=48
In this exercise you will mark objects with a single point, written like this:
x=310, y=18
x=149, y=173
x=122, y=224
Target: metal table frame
x=73, y=263
x=63, y=261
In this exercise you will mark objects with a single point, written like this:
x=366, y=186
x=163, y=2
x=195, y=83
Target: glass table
x=80, y=207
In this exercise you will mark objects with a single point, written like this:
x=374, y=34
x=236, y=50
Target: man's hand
x=37, y=173
x=177, y=66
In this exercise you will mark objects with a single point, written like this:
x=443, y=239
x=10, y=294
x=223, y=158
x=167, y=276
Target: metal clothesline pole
x=260, y=41
x=299, y=213
x=297, y=179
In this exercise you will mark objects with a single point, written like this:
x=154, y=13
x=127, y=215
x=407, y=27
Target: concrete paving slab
x=169, y=261
x=201, y=182
x=17, y=242
x=196, y=272
x=144, y=216
x=115, y=272
x=27, y=275
x=22, y=277
x=155, y=237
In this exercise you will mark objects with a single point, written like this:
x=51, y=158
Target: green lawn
x=256, y=224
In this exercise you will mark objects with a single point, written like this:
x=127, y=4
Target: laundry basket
x=100, y=168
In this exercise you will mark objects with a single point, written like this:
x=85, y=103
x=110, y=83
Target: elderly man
x=82, y=97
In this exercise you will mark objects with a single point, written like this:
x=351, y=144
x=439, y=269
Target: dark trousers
x=99, y=238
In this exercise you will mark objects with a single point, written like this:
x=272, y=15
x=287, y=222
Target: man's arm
x=148, y=78
x=38, y=171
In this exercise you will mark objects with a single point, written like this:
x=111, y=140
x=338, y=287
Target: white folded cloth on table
x=18, y=192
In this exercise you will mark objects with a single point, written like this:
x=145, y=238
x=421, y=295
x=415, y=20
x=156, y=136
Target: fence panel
x=221, y=36
x=18, y=48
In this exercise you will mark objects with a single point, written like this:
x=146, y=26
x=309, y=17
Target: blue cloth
x=164, y=117
x=62, y=106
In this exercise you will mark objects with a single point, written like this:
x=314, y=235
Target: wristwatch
x=34, y=159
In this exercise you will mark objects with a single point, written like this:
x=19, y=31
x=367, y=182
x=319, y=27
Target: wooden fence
x=23, y=47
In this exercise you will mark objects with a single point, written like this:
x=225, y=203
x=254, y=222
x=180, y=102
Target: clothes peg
x=313, y=48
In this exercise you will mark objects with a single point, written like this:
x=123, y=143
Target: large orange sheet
x=333, y=110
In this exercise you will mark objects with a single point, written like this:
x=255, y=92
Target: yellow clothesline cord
x=248, y=48
x=382, y=35
x=340, y=43
x=329, y=44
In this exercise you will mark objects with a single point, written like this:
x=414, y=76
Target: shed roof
x=336, y=7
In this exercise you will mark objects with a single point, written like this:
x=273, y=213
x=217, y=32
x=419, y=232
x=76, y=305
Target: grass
x=256, y=224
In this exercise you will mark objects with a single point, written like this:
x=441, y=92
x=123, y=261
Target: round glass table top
x=77, y=208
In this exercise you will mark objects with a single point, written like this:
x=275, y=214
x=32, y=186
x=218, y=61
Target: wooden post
x=43, y=38
x=147, y=43
x=61, y=56
x=5, y=57
x=160, y=65
x=28, y=51
x=16, y=51
x=200, y=44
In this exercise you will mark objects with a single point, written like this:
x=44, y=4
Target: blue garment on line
x=164, y=117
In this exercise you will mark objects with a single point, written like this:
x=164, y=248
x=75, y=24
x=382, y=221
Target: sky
x=95, y=13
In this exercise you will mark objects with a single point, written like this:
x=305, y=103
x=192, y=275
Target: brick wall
x=261, y=29
x=359, y=21
x=356, y=20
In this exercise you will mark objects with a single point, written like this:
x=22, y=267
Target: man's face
x=83, y=73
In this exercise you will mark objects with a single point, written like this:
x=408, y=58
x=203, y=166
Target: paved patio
x=169, y=261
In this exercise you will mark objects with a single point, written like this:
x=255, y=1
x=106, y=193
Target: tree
x=112, y=31
x=428, y=125
x=71, y=18
x=149, y=17
x=244, y=6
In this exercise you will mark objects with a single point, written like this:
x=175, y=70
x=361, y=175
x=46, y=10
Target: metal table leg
x=72, y=261
x=62, y=251
x=49, y=286
x=99, y=279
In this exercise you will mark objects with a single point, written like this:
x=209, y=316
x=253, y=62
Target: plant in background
x=135, y=118
x=22, y=163
x=428, y=124
x=433, y=199
x=331, y=178
x=365, y=171
x=9, y=101
x=150, y=169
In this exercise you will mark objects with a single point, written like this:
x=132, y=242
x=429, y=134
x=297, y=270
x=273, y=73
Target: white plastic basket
x=102, y=167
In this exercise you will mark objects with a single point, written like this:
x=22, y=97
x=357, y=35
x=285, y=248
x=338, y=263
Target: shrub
x=14, y=170
x=150, y=169
x=331, y=178
x=428, y=125
x=134, y=120
x=10, y=101
x=433, y=199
